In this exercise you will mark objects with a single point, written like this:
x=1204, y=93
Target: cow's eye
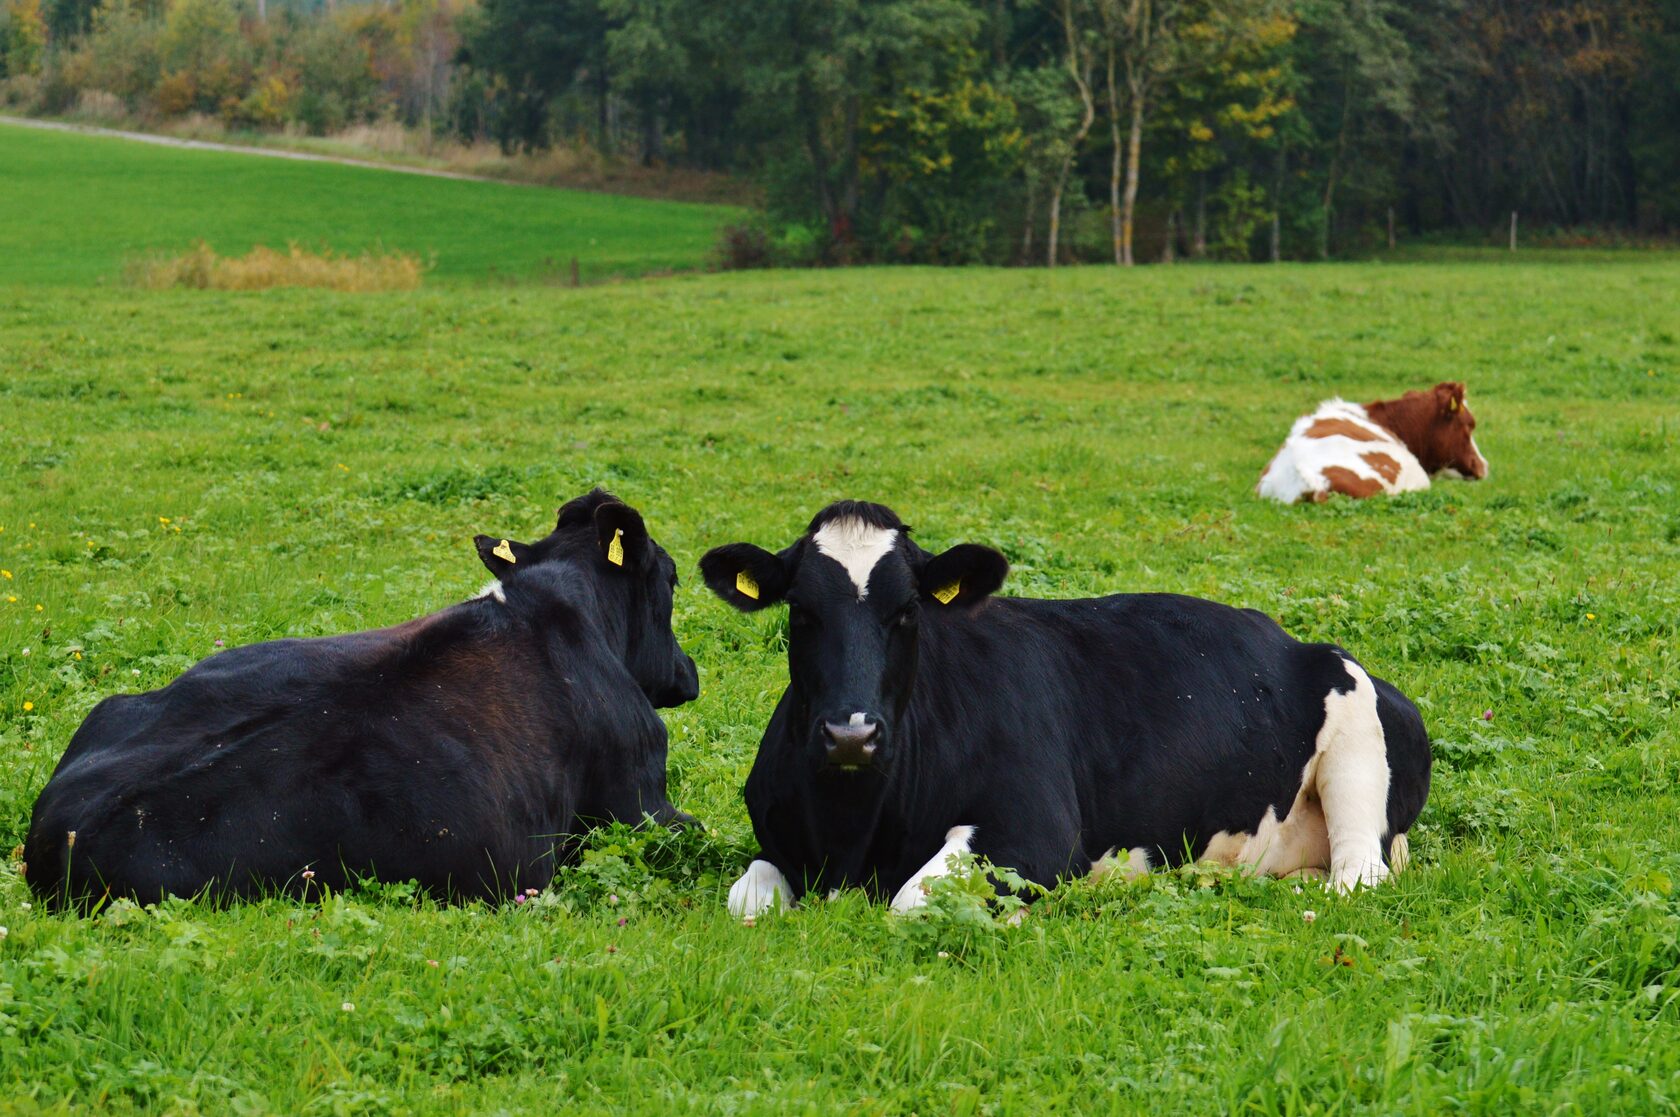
x=906, y=616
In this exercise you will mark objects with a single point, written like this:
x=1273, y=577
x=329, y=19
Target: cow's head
x=1437, y=428
x=857, y=590
x=629, y=575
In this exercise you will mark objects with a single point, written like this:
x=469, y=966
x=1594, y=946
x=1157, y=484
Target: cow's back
x=270, y=759
x=1339, y=448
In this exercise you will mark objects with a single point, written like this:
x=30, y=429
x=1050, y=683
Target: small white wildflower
x=135, y=672
x=25, y=651
x=612, y=898
x=25, y=906
x=1308, y=916
x=2, y=934
x=347, y=1006
x=944, y=953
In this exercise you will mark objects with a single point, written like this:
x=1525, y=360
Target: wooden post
x=1391, y=228
x=1513, y=230
x=576, y=282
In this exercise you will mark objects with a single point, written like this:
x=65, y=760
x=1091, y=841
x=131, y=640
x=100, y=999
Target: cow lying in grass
x=456, y=750
x=924, y=717
x=1390, y=446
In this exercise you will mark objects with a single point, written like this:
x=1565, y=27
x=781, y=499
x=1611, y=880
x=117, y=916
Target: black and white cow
x=458, y=750
x=924, y=717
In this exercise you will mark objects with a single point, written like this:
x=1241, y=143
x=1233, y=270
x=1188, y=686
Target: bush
x=743, y=246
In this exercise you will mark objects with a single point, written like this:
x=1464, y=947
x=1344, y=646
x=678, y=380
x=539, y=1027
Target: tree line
x=1007, y=131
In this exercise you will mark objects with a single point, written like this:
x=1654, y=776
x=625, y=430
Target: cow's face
x=1438, y=428
x=857, y=591
x=632, y=577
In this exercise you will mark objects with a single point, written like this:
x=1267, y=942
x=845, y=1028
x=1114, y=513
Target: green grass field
x=184, y=468
x=74, y=208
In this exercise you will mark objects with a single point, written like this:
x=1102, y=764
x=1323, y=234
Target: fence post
x=1513, y=230
x=575, y=280
x=1391, y=228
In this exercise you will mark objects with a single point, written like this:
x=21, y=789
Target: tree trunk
x=1198, y=239
x=1134, y=148
x=1277, y=206
x=1081, y=78
x=1115, y=163
x=1029, y=220
x=1330, y=179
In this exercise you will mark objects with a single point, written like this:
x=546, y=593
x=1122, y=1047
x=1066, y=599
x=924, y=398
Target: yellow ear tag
x=946, y=594
x=504, y=552
x=615, y=549
x=745, y=585
x=1452, y=405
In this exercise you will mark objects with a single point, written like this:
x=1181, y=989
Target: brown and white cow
x=1390, y=446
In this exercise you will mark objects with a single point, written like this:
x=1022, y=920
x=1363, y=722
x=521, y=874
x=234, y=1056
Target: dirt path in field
x=241, y=149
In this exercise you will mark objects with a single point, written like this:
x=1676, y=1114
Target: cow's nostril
x=853, y=745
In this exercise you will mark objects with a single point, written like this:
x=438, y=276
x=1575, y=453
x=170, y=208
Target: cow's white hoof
x=760, y=888
x=1345, y=878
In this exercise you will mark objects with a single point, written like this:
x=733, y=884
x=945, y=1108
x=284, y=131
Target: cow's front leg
x=761, y=887
x=914, y=893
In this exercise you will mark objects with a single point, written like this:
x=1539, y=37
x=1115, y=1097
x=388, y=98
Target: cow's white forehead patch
x=857, y=546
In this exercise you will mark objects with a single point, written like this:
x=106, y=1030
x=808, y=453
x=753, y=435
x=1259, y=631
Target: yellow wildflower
x=27, y=706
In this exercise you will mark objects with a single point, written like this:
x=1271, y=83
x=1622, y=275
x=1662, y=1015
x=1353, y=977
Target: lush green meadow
x=75, y=208
x=184, y=468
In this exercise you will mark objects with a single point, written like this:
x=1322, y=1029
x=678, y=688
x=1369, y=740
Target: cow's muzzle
x=852, y=745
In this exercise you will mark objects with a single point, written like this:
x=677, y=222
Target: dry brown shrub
x=263, y=268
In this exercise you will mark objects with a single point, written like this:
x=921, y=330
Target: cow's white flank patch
x=1341, y=809
x=914, y=893
x=760, y=888
x=492, y=588
x=1353, y=782
x=855, y=545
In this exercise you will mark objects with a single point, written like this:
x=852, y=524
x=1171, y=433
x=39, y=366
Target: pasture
x=78, y=207
x=184, y=471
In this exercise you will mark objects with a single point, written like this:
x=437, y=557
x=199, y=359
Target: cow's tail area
x=1408, y=763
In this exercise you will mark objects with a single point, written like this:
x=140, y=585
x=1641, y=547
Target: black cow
x=924, y=717
x=458, y=750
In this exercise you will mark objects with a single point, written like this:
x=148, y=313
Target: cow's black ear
x=964, y=574
x=745, y=576
x=622, y=535
x=501, y=556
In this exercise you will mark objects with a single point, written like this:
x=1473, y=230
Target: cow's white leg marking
x=492, y=588
x=1353, y=782
x=855, y=545
x=914, y=893
x=1133, y=865
x=760, y=888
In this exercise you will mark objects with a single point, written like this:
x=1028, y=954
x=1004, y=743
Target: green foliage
x=23, y=38
x=966, y=910
x=943, y=157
